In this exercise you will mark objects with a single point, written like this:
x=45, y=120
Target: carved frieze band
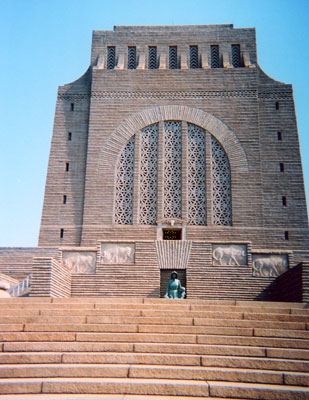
x=185, y=94
x=173, y=254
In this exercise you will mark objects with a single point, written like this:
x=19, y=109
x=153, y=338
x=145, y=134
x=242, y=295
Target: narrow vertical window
x=111, y=57
x=172, y=169
x=279, y=135
x=64, y=199
x=61, y=234
x=194, y=57
x=124, y=185
x=148, y=179
x=284, y=202
x=214, y=56
x=221, y=185
x=152, y=57
x=131, y=57
x=277, y=105
x=281, y=167
x=67, y=166
x=286, y=235
x=173, y=64
x=236, y=60
x=196, y=176
x=69, y=135
x=72, y=106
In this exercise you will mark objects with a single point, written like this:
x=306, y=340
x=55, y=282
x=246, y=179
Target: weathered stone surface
x=257, y=391
x=255, y=363
x=206, y=373
x=21, y=386
x=83, y=371
x=132, y=358
x=30, y=358
x=199, y=349
x=136, y=338
x=66, y=346
x=127, y=386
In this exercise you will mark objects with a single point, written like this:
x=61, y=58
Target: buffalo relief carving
x=269, y=265
x=229, y=254
x=117, y=253
x=79, y=262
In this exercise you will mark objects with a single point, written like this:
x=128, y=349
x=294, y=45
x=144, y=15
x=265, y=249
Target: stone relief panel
x=269, y=265
x=229, y=254
x=79, y=262
x=117, y=253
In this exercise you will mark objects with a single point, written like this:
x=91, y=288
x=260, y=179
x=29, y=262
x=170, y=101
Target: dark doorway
x=165, y=275
x=171, y=234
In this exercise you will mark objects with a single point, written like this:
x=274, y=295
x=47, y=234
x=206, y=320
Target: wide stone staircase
x=125, y=348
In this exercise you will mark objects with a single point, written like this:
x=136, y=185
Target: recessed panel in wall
x=117, y=253
x=79, y=262
x=229, y=254
x=268, y=265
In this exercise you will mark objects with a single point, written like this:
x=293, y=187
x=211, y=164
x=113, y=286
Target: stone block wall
x=50, y=278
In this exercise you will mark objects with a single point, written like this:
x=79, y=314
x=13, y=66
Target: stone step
x=169, y=348
x=170, y=329
x=296, y=354
x=134, y=337
x=279, y=364
x=105, y=386
x=170, y=307
x=70, y=396
x=116, y=319
x=138, y=300
x=153, y=372
x=155, y=359
x=257, y=391
x=139, y=328
x=153, y=387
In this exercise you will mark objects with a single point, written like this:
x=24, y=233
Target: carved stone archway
x=227, y=138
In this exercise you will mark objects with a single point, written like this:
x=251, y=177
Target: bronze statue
x=174, y=290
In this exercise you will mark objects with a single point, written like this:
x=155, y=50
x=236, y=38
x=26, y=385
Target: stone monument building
x=174, y=151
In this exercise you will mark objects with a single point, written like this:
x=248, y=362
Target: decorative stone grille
x=221, y=185
x=111, y=57
x=152, y=57
x=236, y=61
x=172, y=169
x=194, y=57
x=148, y=175
x=131, y=57
x=214, y=56
x=124, y=185
x=196, y=176
x=173, y=64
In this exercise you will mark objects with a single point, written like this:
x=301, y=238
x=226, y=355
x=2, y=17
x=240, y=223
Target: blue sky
x=45, y=44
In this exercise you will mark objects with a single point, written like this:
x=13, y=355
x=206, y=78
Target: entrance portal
x=165, y=275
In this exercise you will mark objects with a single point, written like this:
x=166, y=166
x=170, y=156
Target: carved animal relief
x=117, y=253
x=79, y=262
x=269, y=265
x=229, y=254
